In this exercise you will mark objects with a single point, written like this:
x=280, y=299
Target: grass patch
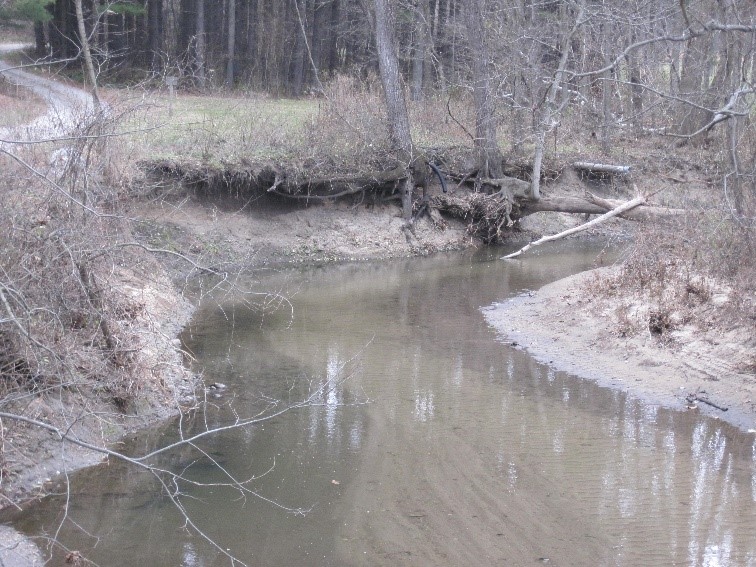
x=345, y=129
x=220, y=128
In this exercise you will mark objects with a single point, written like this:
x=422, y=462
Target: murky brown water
x=443, y=446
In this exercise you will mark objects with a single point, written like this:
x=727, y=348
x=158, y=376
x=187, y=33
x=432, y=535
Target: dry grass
x=699, y=273
x=18, y=105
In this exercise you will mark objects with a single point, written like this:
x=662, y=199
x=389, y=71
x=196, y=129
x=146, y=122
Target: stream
x=426, y=441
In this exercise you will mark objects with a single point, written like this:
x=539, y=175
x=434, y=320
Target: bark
x=602, y=167
x=636, y=90
x=549, y=111
x=319, y=32
x=333, y=47
x=40, y=49
x=88, y=63
x=606, y=92
x=420, y=49
x=590, y=224
x=398, y=117
x=488, y=155
x=155, y=33
x=693, y=76
x=593, y=205
x=200, y=44
x=298, y=70
x=231, y=48
x=250, y=48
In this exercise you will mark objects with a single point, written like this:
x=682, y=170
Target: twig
x=699, y=398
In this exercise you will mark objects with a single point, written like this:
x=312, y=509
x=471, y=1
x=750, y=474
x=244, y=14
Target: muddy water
x=432, y=442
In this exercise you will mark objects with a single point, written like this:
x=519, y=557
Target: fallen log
x=639, y=213
x=594, y=205
x=639, y=200
x=602, y=167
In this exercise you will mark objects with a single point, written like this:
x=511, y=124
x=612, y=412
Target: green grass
x=236, y=129
x=222, y=129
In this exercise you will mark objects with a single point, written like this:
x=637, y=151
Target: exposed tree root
x=489, y=213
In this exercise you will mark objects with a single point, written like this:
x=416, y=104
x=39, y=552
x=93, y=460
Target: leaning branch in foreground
x=639, y=200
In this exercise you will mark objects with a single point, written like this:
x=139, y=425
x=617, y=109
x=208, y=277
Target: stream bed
x=425, y=440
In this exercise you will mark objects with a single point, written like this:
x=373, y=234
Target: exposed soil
x=35, y=459
x=226, y=238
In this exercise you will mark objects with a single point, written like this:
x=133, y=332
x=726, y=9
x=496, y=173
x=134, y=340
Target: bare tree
x=86, y=52
x=231, y=49
x=488, y=156
x=398, y=117
x=200, y=45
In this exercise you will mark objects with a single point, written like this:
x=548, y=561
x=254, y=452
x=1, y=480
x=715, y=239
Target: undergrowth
x=74, y=315
x=701, y=271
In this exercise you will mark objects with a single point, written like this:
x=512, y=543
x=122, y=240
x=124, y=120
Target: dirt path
x=566, y=326
x=66, y=104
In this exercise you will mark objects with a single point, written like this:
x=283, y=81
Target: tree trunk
x=636, y=89
x=88, y=63
x=300, y=49
x=333, y=43
x=231, y=48
x=40, y=49
x=547, y=114
x=488, y=156
x=419, y=49
x=199, y=45
x=606, y=91
x=398, y=117
x=693, y=82
x=155, y=33
x=621, y=208
x=319, y=28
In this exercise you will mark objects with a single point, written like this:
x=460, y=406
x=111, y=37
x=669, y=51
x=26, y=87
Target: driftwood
x=690, y=398
x=598, y=220
x=640, y=213
x=602, y=167
x=594, y=205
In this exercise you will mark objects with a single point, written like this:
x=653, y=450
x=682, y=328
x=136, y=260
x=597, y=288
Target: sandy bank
x=564, y=325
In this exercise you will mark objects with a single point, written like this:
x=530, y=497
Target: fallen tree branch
x=602, y=167
x=690, y=398
x=639, y=200
x=639, y=213
x=594, y=205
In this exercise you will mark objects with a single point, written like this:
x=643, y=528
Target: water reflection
x=426, y=442
x=424, y=407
